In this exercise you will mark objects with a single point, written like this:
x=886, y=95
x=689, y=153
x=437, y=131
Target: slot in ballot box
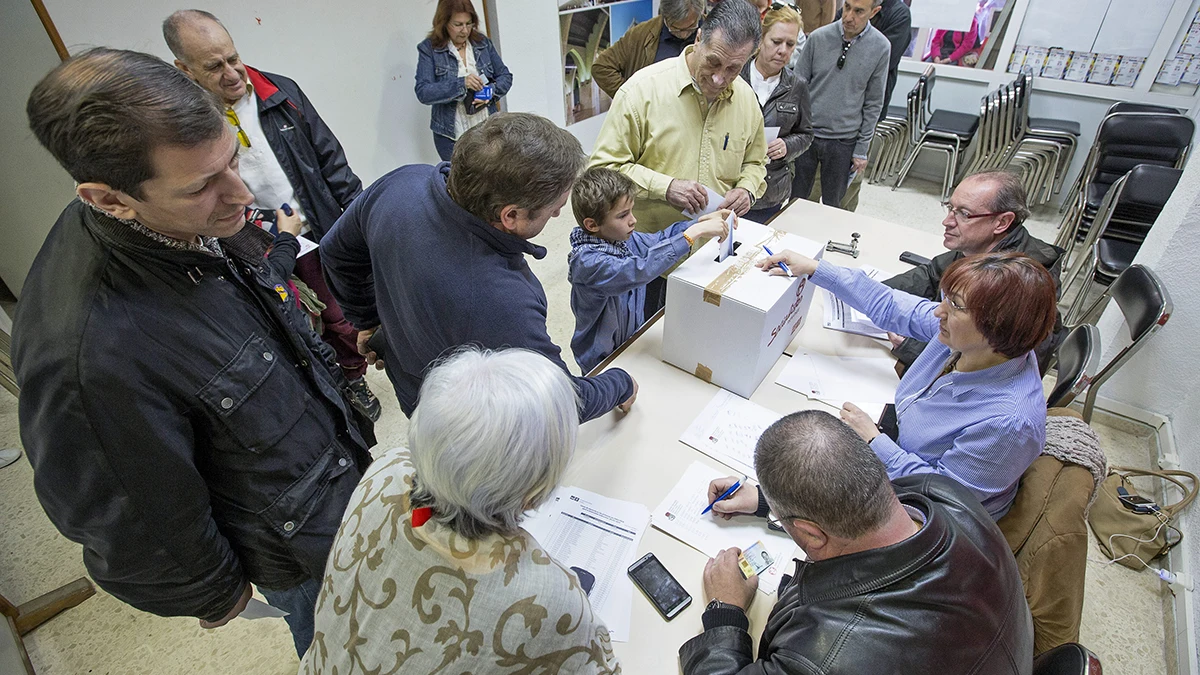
x=728, y=322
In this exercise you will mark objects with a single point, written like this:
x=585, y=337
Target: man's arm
x=128, y=491
x=620, y=144
x=342, y=181
x=346, y=260
x=872, y=106
x=609, y=67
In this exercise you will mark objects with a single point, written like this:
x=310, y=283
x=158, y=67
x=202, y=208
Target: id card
x=754, y=560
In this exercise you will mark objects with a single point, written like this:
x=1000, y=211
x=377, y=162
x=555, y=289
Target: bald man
x=288, y=156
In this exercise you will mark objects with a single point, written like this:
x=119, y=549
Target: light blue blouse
x=982, y=428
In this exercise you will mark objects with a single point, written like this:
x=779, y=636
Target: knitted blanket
x=1069, y=439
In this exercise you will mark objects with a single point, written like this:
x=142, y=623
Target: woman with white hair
x=431, y=571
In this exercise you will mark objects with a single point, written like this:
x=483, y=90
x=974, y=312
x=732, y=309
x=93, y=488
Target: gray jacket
x=788, y=108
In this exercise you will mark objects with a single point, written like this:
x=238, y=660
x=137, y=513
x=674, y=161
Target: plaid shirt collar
x=581, y=237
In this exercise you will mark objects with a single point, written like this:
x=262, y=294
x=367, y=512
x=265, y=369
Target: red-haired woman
x=971, y=407
x=459, y=73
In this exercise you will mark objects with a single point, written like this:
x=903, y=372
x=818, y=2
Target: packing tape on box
x=717, y=287
x=703, y=372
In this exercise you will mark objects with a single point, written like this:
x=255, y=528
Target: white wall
x=355, y=60
x=1164, y=377
x=32, y=186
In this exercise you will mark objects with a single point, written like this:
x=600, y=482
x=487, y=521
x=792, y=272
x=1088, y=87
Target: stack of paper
x=598, y=538
x=868, y=382
x=679, y=516
x=728, y=430
x=842, y=317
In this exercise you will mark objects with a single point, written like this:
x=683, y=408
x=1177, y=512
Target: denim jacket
x=439, y=85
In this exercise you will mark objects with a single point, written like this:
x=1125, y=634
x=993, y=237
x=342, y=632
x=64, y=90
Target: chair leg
x=1073, y=317
x=908, y=162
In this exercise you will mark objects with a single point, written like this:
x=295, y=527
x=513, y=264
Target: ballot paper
x=306, y=246
x=867, y=382
x=1192, y=74
x=727, y=246
x=1127, y=71
x=679, y=516
x=714, y=200
x=1056, y=64
x=771, y=133
x=257, y=609
x=842, y=317
x=1103, y=68
x=1081, y=65
x=1017, y=59
x=728, y=429
x=596, y=537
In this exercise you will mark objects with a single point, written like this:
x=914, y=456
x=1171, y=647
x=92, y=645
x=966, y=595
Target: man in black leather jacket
x=904, y=577
x=985, y=213
x=184, y=423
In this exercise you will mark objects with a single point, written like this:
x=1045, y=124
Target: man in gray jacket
x=845, y=64
x=911, y=576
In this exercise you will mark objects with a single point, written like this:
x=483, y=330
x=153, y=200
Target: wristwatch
x=717, y=604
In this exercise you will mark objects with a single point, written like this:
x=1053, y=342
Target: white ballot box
x=728, y=322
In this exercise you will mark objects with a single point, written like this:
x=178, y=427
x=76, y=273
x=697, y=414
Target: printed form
x=728, y=429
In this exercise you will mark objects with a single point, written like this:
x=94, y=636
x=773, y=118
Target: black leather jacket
x=923, y=281
x=789, y=108
x=946, y=600
x=184, y=423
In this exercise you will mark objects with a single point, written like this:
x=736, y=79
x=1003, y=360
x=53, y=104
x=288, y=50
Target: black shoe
x=364, y=400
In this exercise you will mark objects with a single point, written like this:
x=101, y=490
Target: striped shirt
x=982, y=428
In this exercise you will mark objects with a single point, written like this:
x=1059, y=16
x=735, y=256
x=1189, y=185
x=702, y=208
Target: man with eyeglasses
x=906, y=576
x=662, y=37
x=845, y=64
x=288, y=156
x=985, y=213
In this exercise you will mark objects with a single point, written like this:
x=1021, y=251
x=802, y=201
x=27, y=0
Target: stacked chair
x=894, y=137
x=1129, y=135
x=939, y=130
x=1120, y=225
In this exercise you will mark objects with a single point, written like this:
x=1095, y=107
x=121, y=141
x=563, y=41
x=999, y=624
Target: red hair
x=439, y=36
x=1011, y=297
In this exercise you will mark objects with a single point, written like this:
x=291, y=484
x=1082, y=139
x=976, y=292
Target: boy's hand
x=711, y=225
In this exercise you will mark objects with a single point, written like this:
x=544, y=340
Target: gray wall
x=33, y=187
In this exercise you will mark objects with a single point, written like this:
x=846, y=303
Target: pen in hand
x=725, y=495
x=782, y=265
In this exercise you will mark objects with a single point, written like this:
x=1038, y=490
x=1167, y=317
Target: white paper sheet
x=867, y=382
x=1192, y=74
x=1127, y=71
x=257, y=609
x=1017, y=59
x=1103, y=68
x=1081, y=65
x=714, y=200
x=842, y=317
x=726, y=248
x=1172, y=71
x=728, y=429
x=306, y=246
x=943, y=14
x=771, y=133
x=1056, y=64
x=679, y=516
x=595, y=536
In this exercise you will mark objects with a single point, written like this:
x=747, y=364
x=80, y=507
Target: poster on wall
x=588, y=27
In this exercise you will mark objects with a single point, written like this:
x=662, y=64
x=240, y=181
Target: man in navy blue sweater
x=436, y=256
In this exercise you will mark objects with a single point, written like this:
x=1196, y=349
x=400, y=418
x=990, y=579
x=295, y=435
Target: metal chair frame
x=1075, y=383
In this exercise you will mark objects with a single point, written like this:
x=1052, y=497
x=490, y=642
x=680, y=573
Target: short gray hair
x=676, y=11
x=491, y=436
x=814, y=467
x=173, y=25
x=738, y=23
x=1009, y=195
x=513, y=158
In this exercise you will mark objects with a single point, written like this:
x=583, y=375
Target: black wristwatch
x=717, y=604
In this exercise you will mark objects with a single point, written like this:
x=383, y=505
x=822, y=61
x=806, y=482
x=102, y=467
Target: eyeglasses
x=953, y=305
x=242, y=136
x=684, y=31
x=845, y=50
x=962, y=215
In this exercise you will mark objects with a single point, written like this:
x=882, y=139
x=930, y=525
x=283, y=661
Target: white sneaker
x=8, y=456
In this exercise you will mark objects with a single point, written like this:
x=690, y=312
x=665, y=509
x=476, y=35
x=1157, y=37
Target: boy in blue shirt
x=609, y=264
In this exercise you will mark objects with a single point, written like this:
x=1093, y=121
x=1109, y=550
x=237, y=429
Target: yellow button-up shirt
x=657, y=130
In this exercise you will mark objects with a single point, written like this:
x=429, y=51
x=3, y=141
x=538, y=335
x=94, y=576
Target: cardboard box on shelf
x=728, y=322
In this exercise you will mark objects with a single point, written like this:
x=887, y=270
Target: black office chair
x=1120, y=226
x=1078, y=358
x=1146, y=306
x=1126, y=106
x=1069, y=659
x=944, y=131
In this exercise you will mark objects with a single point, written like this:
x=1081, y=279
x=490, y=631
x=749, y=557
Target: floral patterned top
x=399, y=597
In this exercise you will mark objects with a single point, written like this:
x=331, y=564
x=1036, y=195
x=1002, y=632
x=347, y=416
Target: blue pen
x=287, y=211
x=726, y=147
x=781, y=264
x=725, y=495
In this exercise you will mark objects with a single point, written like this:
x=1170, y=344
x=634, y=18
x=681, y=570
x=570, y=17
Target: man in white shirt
x=288, y=156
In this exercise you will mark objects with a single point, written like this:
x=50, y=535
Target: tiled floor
x=1122, y=613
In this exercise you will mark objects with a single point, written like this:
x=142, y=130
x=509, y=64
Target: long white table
x=638, y=457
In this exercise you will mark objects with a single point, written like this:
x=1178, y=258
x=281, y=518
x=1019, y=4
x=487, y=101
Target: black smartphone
x=664, y=592
x=913, y=259
x=378, y=344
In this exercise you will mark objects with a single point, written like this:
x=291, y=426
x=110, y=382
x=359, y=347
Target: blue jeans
x=300, y=602
x=445, y=147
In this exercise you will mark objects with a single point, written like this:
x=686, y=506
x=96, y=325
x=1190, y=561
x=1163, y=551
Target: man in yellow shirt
x=690, y=123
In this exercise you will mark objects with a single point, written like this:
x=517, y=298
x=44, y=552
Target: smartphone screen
x=656, y=582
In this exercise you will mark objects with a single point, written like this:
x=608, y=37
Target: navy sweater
x=407, y=257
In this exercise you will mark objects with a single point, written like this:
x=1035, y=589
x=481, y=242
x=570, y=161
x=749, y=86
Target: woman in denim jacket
x=459, y=73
